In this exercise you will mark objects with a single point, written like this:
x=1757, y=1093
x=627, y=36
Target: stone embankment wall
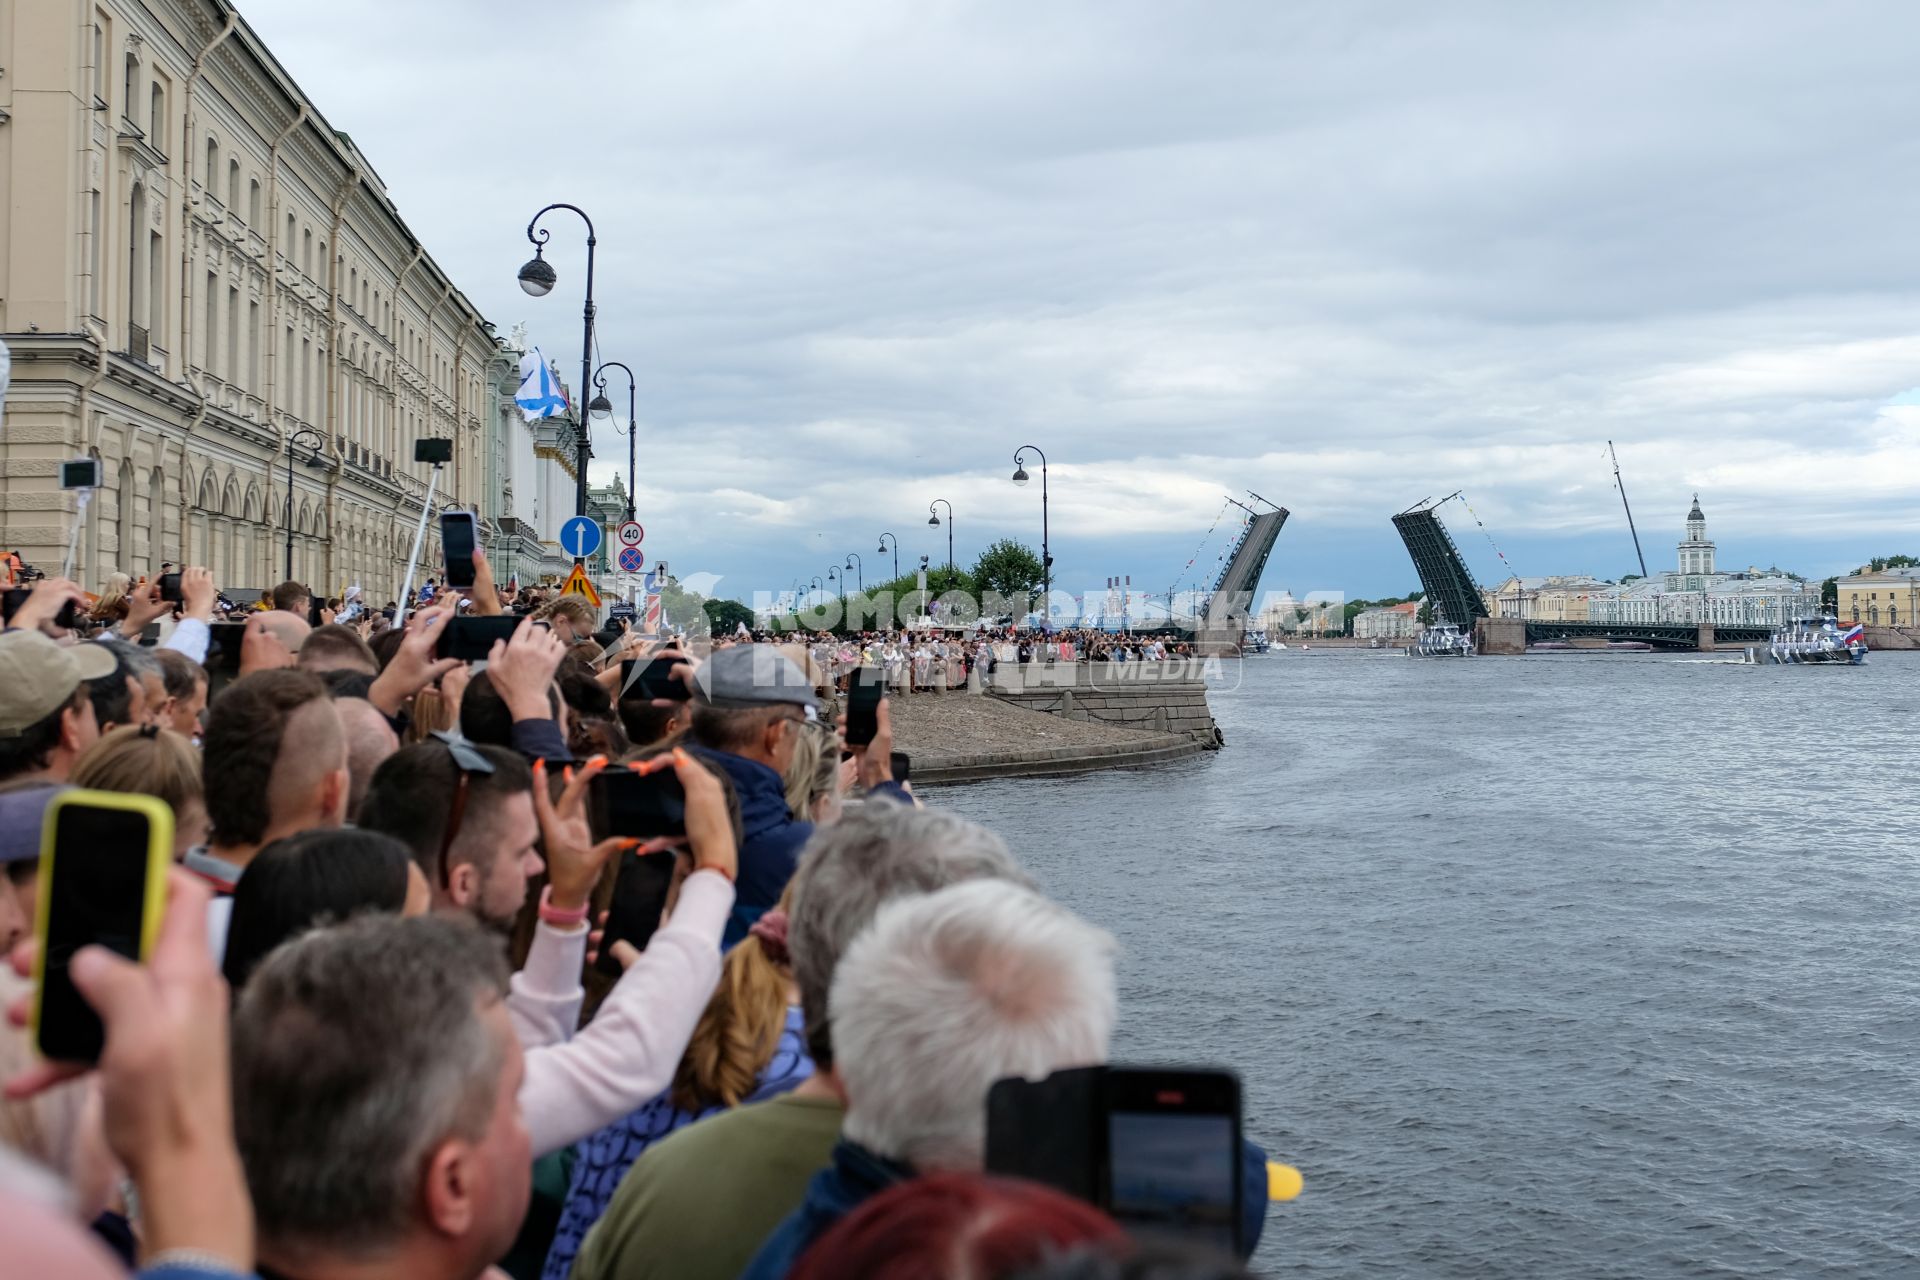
x=1150, y=697
x=1892, y=637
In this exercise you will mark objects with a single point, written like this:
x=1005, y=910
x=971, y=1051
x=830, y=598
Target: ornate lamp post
x=896, y=553
x=314, y=461
x=601, y=409
x=934, y=519
x=538, y=278
x=1020, y=477
x=856, y=563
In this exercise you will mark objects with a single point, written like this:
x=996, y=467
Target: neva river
x=1570, y=965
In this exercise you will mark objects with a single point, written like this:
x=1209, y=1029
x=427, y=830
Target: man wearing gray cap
x=746, y=700
x=46, y=711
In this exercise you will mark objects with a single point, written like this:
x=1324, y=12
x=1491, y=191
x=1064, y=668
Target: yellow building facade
x=1888, y=598
x=195, y=270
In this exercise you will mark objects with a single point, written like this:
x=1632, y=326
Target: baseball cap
x=37, y=676
x=21, y=813
x=744, y=676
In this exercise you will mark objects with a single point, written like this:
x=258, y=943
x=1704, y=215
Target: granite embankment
x=1053, y=719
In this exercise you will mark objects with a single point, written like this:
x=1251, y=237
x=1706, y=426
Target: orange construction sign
x=579, y=585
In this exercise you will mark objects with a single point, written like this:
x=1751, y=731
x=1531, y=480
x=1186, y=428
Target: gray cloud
x=1343, y=254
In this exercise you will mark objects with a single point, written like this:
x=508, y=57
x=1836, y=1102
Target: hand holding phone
x=170, y=588
x=643, y=800
x=865, y=689
x=655, y=680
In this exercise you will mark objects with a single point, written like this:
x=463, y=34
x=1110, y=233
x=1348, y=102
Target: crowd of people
x=376, y=1036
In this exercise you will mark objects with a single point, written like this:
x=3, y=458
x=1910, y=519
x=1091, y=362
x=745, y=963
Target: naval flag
x=539, y=395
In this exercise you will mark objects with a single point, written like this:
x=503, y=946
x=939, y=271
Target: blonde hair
x=113, y=598
x=158, y=763
x=432, y=712
x=739, y=1031
x=572, y=608
x=810, y=774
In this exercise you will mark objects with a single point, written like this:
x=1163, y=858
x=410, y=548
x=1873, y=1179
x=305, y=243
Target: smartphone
x=223, y=647
x=67, y=619
x=457, y=540
x=1173, y=1154
x=470, y=639
x=627, y=804
x=656, y=679
x=170, y=588
x=1159, y=1149
x=639, y=895
x=864, y=692
x=902, y=766
x=314, y=605
x=103, y=882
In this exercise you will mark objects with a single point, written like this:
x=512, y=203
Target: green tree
x=1010, y=568
x=727, y=616
x=1830, y=595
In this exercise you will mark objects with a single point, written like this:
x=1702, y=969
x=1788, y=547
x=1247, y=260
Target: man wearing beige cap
x=46, y=715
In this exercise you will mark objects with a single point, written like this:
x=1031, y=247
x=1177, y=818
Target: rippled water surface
x=1595, y=965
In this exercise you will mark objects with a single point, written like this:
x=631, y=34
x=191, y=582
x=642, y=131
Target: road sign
x=579, y=537
x=632, y=560
x=579, y=585
x=622, y=609
x=631, y=534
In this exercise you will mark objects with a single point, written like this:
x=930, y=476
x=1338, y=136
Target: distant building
x=1389, y=622
x=1697, y=592
x=1885, y=597
x=1556, y=598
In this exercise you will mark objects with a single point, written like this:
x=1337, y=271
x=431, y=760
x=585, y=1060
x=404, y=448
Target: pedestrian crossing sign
x=578, y=584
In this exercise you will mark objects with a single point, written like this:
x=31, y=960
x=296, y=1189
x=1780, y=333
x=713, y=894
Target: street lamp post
x=292, y=441
x=601, y=406
x=855, y=563
x=832, y=576
x=1046, y=554
x=538, y=278
x=896, y=553
x=934, y=519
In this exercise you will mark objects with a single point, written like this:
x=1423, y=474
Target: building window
x=127, y=86
x=99, y=66
x=213, y=164
x=156, y=114
x=306, y=253
x=233, y=187
x=253, y=203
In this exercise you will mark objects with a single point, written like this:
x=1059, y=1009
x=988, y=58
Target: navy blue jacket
x=857, y=1174
x=773, y=841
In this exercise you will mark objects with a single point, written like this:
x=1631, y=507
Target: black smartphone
x=864, y=691
x=656, y=679
x=639, y=895
x=902, y=766
x=313, y=611
x=627, y=804
x=457, y=540
x=223, y=655
x=170, y=588
x=103, y=868
x=470, y=639
x=1160, y=1150
x=67, y=619
x=1173, y=1154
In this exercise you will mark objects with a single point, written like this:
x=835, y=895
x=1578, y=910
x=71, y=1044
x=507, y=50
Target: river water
x=1569, y=965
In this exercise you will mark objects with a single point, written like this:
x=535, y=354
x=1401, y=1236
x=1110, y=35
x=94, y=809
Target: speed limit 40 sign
x=630, y=534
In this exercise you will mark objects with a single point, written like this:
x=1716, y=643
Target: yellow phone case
x=159, y=855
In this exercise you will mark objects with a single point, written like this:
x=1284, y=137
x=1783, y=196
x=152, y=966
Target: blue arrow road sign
x=579, y=537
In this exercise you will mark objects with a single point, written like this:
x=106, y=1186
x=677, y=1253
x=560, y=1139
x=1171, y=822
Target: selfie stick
x=73, y=538
x=413, y=558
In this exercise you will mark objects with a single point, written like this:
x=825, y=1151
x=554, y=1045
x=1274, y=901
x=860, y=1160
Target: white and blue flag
x=539, y=395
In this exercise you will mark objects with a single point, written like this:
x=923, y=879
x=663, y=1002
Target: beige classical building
x=196, y=268
x=1556, y=598
x=1883, y=597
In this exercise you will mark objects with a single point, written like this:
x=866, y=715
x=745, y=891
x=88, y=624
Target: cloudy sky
x=1345, y=255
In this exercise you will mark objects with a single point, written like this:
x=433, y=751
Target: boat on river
x=1442, y=640
x=1815, y=641
x=1256, y=642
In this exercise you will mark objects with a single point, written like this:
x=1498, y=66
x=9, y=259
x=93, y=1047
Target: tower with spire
x=1696, y=551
